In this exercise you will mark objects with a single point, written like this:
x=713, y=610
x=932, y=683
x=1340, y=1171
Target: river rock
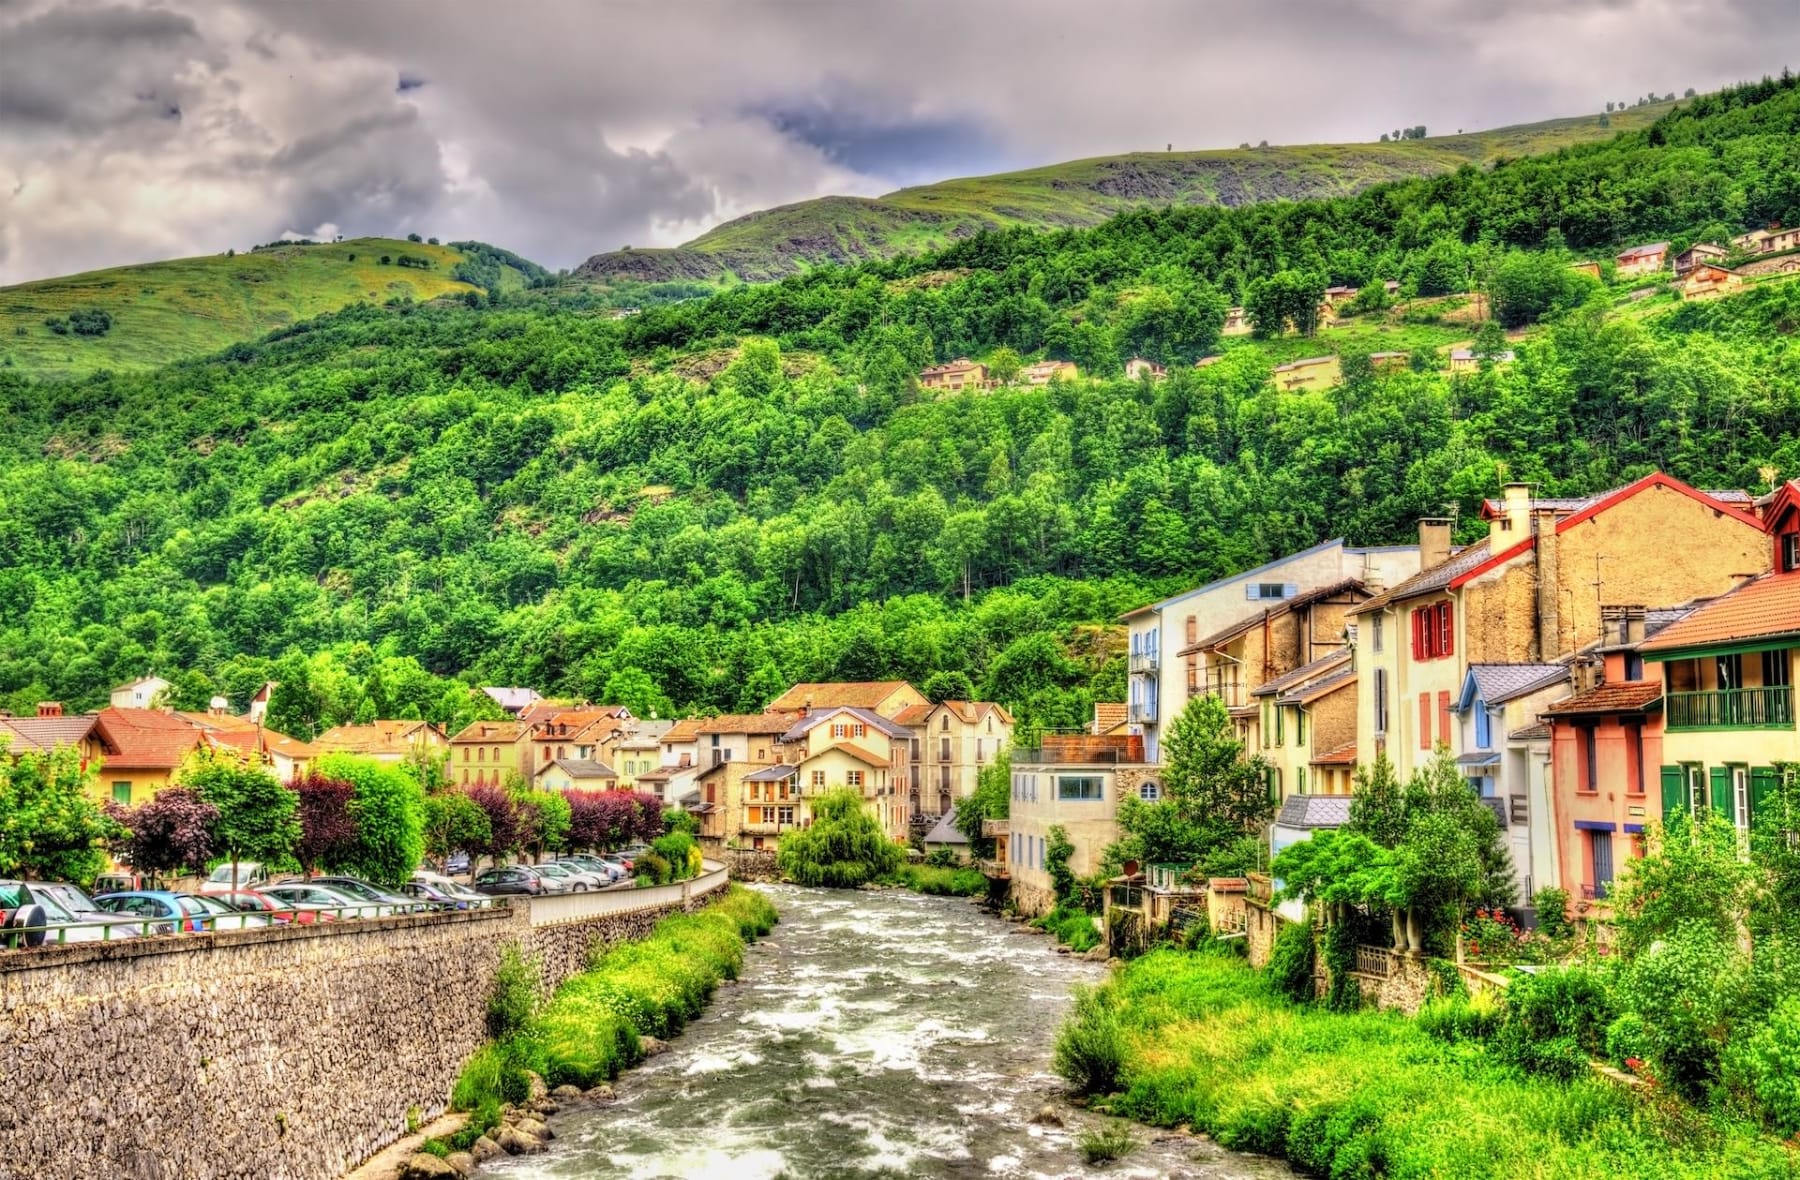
x=602, y=1093
x=1047, y=1116
x=1098, y=954
x=536, y=1089
x=566, y=1093
x=543, y=1106
x=1062, y=949
x=424, y=1166
x=534, y=1128
x=653, y=1046
x=484, y=1149
x=462, y=1161
x=516, y=1142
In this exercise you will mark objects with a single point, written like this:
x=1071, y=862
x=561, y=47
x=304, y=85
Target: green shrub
x=1767, y=1064
x=941, y=880
x=1687, y=989
x=1105, y=1145
x=1072, y=926
x=1555, y=1021
x=1625, y=1040
x=1552, y=907
x=1090, y=1048
x=1461, y=1017
x=1291, y=962
x=843, y=848
x=513, y=995
x=677, y=848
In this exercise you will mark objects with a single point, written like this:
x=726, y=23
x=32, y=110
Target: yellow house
x=1707, y=281
x=949, y=744
x=484, y=752
x=638, y=751
x=1044, y=372
x=384, y=741
x=144, y=748
x=886, y=697
x=576, y=774
x=1308, y=712
x=956, y=376
x=1309, y=374
x=1236, y=323
x=1467, y=360
x=859, y=749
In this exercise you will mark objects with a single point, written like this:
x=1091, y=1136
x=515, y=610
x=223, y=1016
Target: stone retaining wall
x=751, y=864
x=287, y=1054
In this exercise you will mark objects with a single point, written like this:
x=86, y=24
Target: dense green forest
x=690, y=508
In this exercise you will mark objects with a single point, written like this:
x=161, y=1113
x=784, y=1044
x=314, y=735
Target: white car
x=580, y=880
x=250, y=875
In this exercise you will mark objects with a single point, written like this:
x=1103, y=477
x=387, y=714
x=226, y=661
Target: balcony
x=769, y=829
x=1731, y=708
x=1081, y=749
x=1142, y=711
x=1144, y=661
x=995, y=828
x=993, y=869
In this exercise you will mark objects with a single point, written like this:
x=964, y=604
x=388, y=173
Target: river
x=872, y=1035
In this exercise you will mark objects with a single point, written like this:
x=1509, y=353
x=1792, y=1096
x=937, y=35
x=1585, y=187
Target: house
x=1727, y=671
x=146, y=692
x=1072, y=781
x=513, y=700
x=1535, y=590
x=289, y=757
x=384, y=741
x=52, y=729
x=857, y=748
x=1307, y=711
x=1165, y=667
x=1137, y=368
x=639, y=751
x=483, y=753
x=1699, y=254
x=680, y=742
x=1044, y=372
x=1467, y=360
x=584, y=731
x=886, y=697
x=144, y=748
x=1586, y=268
x=1389, y=362
x=1606, y=751
x=950, y=743
x=667, y=782
x=1642, y=260
x=1309, y=374
x=1236, y=323
x=576, y=774
x=259, y=702
x=1709, y=282
x=1505, y=755
x=1336, y=297
x=1111, y=719
x=943, y=837
x=1768, y=241
x=956, y=376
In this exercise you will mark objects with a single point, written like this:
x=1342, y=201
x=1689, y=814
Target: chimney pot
x=49, y=709
x=1434, y=541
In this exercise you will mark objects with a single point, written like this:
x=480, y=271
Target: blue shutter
x=1483, y=726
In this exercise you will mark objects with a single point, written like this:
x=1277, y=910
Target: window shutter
x=1424, y=721
x=1674, y=793
x=1762, y=790
x=1444, y=717
x=1418, y=636
x=1381, y=703
x=1483, y=722
x=1446, y=631
x=1721, y=791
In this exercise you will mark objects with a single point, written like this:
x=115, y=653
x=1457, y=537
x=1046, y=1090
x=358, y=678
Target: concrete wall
x=272, y=1054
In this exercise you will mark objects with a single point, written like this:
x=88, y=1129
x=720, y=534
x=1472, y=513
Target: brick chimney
x=1549, y=588
x=1510, y=526
x=49, y=709
x=1434, y=541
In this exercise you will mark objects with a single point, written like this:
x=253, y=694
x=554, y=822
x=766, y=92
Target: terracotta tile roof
x=1324, y=686
x=1647, y=251
x=1628, y=696
x=288, y=747
x=764, y=723
x=1438, y=577
x=1762, y=608
x=862, y=694
x=1303, y=673
x=489, y=731
x=378, y=737
x=914, y=715
x=145, y=739
x=685, y=730
x=1108, y=716
x=857, y=752
x=1344, y=755
x=47, y=733
x=223, y=722
x=1530, y=733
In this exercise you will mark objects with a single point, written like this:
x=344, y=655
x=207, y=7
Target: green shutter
x=1721, y=791
x=1674, y=793
x=1762, y=790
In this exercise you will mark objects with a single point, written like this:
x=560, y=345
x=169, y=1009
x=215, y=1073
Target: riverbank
x=1200, y=1039
x=601, y=1021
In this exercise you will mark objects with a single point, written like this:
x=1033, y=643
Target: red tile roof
x=857, y=694
x=1627, y=696
x=752, y=723
x=685, y=730
x=1344, y=755
x=1761, y=609
x=47, y=733
x=145, y=739
x=1109, y=715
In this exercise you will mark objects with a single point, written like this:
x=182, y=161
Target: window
x=1775, y=668
x=784, y=815
x=859, y=730
x=1376, y=630
x=980, y=750
x=943, y=749
x=1280, y=725
x=122, y=793
x=1590, y=758
x=818, y=779
x=1300, y=781
x=1299, y=726
x=1635, y=742
x=1600, y=864
x=1433, y=632
x=1730, y=670
x=944, y=727
x=465, y=753
x=761, y=756
x=1381, y=703
x=853, y=778
x=1696, y=787
x=1264, y=591
x=1484, y=727
x=1790, y=552
x=1634, y=666
x=1078, y=787
x=481, y=754
x=1740, y=799
x=1150, y=792
x=839, y=729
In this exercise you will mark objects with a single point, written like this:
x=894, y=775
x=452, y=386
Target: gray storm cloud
x=139, y=129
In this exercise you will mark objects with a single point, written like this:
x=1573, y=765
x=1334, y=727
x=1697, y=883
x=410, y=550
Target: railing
x=774, y=828
x=1377, y=961
x=995, y=827
x=1144, y=661
x=1128, y=897
x=1142, y=711
x=993, y=868
x=1259, y=888
x=1732, y=708
x=127, y=927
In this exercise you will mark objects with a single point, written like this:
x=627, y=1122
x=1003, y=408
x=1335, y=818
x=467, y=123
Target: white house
x=141, y=693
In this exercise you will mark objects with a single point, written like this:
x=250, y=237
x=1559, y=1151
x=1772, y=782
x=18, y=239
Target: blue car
x=162, y=911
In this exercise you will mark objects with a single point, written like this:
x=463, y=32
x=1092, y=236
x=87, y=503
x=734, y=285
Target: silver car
x=32, y=916
x=580, y=880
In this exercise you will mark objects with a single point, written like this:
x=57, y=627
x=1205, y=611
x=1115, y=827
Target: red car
x=249, y=901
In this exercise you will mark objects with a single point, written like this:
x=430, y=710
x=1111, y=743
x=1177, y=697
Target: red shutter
x=1418, y=637
x=1444, y=717
x=1446, y=632
x=1424, y=721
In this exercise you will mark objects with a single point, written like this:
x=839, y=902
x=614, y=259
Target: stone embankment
x=246, y=1055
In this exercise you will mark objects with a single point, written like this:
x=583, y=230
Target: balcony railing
x=769, y=829
x=1259, y=888
x=995, y=827
x=1142, y=711
x=1129, y=897
x=1377, y=961
x=1732, y=708
x=1143, y=661
x=994, y=868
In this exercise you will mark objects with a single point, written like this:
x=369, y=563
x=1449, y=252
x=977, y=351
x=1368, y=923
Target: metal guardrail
x=77, y=933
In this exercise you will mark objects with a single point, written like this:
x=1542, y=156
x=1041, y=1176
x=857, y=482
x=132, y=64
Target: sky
x=134, y=130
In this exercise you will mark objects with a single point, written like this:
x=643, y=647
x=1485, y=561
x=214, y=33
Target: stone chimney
x=1549, y=587
x=49, y=709
x=1586, y=675
x=1509, y=527
x=1434, y=541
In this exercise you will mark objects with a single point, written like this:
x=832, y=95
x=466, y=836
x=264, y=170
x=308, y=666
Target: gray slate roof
x=772, y=774
x=579, y=768
x=1499, y=683
x=1314, y=811
x=868, y=717
x=1303, y=673
x=1318, y=688
x=945, y=832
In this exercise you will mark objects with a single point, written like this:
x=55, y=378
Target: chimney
x=1509, y=527
x=1587, y=675
x=49, y=709
x=1434, y=541
x=1549, y=587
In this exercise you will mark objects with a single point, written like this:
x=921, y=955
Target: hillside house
x=1307, y=727
x=955, y=376
x=886, y=697
x=1137, y=368
x=1308, y=374
x=1697, y=255
x=1044, y=372
x=1586, y=268
x=483, y=753
x=1768, y=241
x=1505, y=755
x=1642, y=260
x=146, y=692
x=384, y=741
x=143, y=750
x=1467, y=360
x=1236, y=323
x=52, y=729
x=1389, y=362
x=1709, y=282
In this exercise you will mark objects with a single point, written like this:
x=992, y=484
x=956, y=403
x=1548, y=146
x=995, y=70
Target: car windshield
x=553, y=870
x=222, y=874
x=356, y=889
x=70, y=897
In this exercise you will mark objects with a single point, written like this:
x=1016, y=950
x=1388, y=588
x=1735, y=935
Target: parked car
x=340, y=905
x=72, y=898
x=435, y=897
x=457, y=863
x=127, y=883
x=34, y=917
x=453, y=889
x=221, y=916
x=250, y=875
x=580, y=880
x=162, y=912
x=594, y=864
x=364, y=891
x=626, y=868
x=284, y=913
x=510, y=880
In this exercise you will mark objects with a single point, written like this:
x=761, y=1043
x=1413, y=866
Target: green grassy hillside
x=187, y=307
x=777, y=242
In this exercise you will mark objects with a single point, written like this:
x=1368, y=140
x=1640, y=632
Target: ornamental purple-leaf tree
x=327, y=829
x=169, y=835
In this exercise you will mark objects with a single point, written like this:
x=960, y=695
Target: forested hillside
x=689, y=508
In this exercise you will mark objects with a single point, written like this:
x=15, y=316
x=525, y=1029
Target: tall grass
x=941, y=881
x=1072, y=925
x=1205, y=1040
